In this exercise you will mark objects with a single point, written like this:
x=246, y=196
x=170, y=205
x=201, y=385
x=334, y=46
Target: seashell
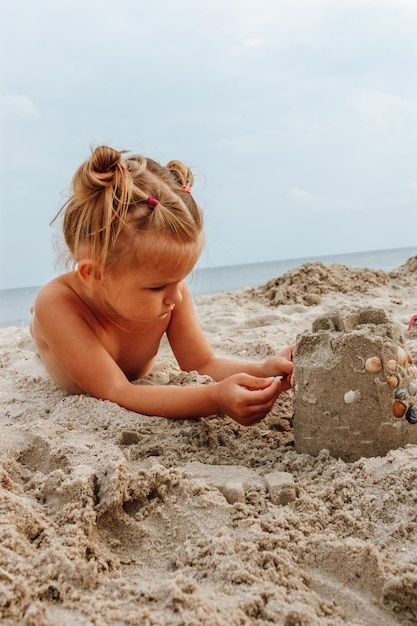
x=401, y=355
x=393, y=381
x=400, y=394
x=392, y=365
x=351, y=396
x=409, y=358
x=373, y=364
x=412, y=388
x=398, y=408
x=411, y=415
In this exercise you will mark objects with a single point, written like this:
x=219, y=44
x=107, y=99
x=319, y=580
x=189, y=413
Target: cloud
x=380, y=109
x=411, y=187
x=312, y=202
x=255, y=42
x=18, y=107
x=301, y=195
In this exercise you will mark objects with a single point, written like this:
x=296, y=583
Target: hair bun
x=181, y=173
x=105, y=161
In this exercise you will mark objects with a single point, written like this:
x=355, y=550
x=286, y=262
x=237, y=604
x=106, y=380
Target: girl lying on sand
x=134, y=232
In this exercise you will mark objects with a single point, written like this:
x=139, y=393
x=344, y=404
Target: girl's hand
x=247, y=399
x=281, y=365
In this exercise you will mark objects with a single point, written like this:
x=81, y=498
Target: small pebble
x=130, y=437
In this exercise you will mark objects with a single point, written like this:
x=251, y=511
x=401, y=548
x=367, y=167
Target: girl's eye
x=157, y=288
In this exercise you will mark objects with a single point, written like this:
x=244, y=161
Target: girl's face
x=151, y=288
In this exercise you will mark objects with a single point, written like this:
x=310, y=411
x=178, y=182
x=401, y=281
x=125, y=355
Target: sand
x=110, y=517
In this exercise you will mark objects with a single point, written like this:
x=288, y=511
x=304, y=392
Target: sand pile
x=110, y=517
x=308, y=283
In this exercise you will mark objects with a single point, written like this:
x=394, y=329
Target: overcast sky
x=300, y=117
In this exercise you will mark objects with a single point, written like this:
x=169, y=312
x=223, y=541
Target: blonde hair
x=110, y=196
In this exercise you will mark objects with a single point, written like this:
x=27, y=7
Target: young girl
x=135, y=232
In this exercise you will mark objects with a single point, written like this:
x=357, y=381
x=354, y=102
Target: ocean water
x=15, y=303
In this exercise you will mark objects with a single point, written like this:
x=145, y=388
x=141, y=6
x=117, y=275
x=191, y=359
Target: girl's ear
x=89, y=273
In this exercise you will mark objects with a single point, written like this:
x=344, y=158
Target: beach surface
x=111, y=517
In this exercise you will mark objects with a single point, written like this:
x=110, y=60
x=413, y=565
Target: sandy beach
x=111, y=517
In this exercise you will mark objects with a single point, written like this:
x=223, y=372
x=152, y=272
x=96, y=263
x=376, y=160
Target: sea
x=15, y=303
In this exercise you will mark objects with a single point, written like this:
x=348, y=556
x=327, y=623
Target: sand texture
x=110, y=517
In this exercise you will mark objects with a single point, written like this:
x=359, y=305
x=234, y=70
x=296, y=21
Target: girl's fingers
x=265, y=395
x=257, y=397
x=255, y=383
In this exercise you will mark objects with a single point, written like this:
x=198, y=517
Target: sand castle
x=355, y=386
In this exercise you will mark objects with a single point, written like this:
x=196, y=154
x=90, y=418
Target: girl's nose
x=174, y=295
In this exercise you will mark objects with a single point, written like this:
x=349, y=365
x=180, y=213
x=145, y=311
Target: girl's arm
x=193, y=352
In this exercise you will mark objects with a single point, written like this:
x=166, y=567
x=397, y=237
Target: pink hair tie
x=185, y=188
x=152, y=202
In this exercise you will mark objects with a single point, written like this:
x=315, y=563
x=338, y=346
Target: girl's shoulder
x=60, y=292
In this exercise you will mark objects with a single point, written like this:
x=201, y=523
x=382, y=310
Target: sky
x=298, y=118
